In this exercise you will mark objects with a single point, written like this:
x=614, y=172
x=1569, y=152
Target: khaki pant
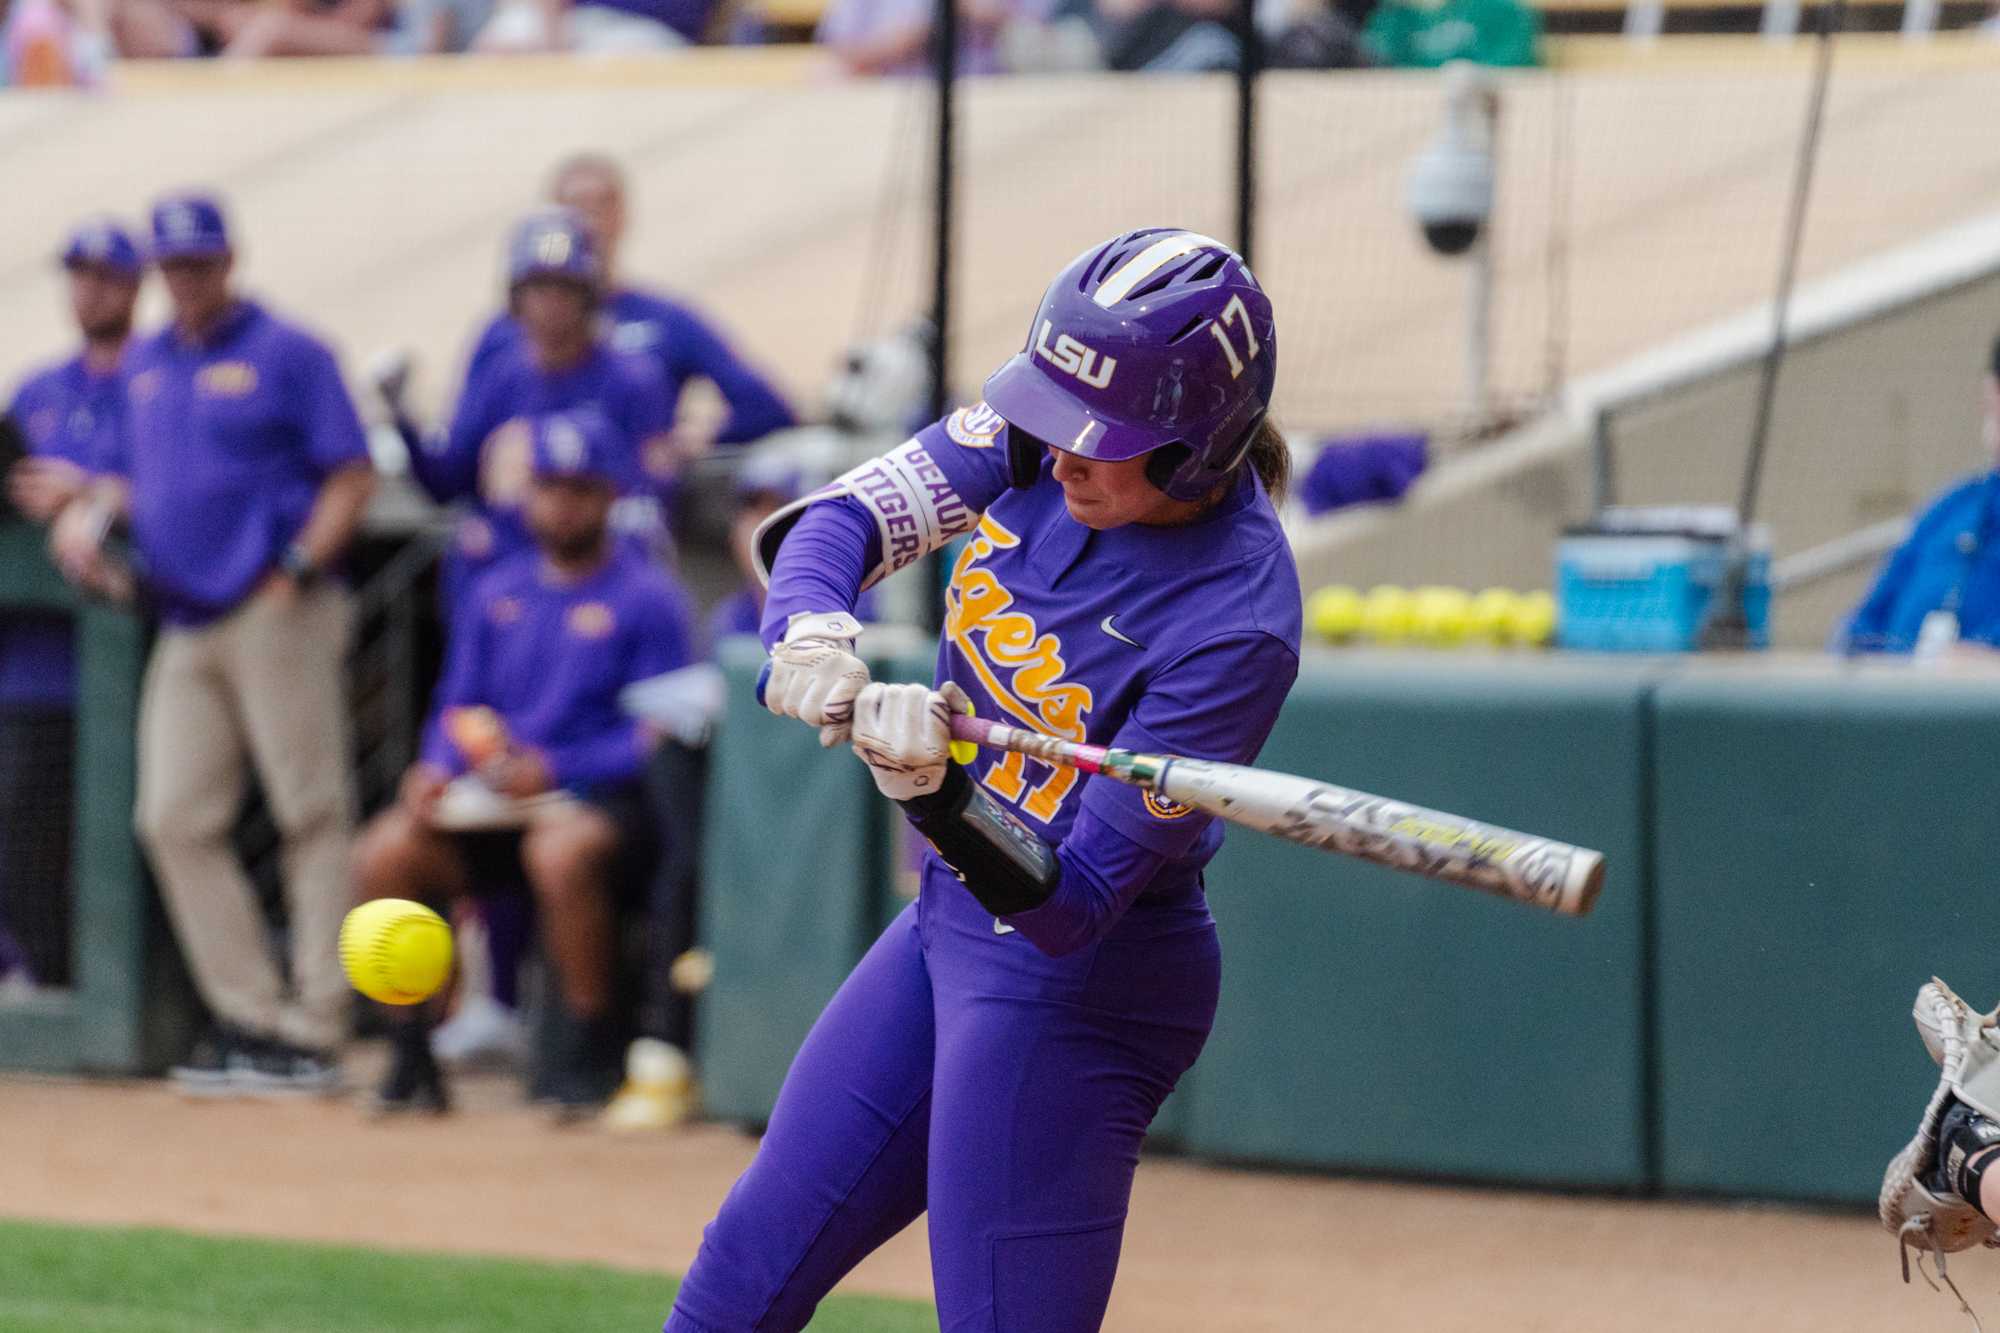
x=263, y=686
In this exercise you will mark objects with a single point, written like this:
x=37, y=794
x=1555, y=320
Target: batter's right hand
x=815, y=674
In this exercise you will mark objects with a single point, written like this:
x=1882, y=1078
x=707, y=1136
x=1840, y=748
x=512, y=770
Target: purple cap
x=575, y=446
x=552, y=243
x=189, y=226
x=1158, y=338
x=103, y=243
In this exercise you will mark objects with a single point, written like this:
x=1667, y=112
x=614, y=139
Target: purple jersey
x=66, y=411
x=683, y=346
x=1178, y=640
x=551, y=657
x=508, y=386
x=1000, y=1074
x=226, y=444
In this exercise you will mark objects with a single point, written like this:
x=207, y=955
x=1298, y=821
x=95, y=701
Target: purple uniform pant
x=961, y=1071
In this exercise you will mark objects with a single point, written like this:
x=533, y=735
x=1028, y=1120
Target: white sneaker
x=659, y=1091
x=482, y=1029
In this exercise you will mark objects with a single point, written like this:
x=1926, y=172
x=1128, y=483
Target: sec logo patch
x=975, y=427
x=591, y=620
x=1159, y=807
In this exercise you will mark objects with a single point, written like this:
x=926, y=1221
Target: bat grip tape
x=997, y=857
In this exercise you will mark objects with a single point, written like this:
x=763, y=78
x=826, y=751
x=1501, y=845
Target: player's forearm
x=336, y=513
x=821, y=565
x=1102, y=873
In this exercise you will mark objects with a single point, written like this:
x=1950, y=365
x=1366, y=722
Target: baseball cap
x=189, y=226
x=776, y=477
x=103, y=243
x=575, y=446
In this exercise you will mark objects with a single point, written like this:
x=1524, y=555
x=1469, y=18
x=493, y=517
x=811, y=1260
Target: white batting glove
x=903, y=734
x=815, y=674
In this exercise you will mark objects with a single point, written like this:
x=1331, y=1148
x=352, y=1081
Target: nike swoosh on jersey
x=1113, y=631
x=1001, y=927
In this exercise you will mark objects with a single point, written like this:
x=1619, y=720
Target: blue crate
x=1649, y=592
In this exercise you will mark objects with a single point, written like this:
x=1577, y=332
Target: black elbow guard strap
x=1007, y=868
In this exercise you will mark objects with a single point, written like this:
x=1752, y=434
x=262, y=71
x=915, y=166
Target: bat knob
x=763, y=679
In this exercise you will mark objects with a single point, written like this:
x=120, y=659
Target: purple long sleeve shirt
x=1179, y=640
x=66, y=412
x=683, y=346
x=550, y=658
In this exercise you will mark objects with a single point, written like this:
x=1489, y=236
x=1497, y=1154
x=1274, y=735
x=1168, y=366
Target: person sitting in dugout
x=545, y=640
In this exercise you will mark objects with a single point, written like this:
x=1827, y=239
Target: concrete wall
x=1869, y=422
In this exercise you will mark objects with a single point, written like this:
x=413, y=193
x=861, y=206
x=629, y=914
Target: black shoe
x=210, y=1068
x=272, y=1068
x=583, y=1068
x=414, y=1083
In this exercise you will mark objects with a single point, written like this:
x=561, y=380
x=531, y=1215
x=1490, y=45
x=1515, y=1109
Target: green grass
x=62, y=1279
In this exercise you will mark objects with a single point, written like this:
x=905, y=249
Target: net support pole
x=1250, y=59
x=944, y=68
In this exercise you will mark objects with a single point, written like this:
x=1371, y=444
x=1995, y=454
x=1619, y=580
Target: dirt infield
x=1208, y=1249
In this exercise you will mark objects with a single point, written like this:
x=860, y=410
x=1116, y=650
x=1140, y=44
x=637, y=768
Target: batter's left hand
x=903, y=734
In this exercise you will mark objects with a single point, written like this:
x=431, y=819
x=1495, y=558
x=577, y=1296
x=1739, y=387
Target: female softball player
x=997, y=1056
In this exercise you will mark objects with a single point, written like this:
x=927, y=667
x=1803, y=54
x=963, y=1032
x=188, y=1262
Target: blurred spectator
x=894, y=36
x=1940, y=591
x=1424, y=34
x=1180, y=36
x=763, y=487
x=245, y=30
x=63, y=413
x=244, y=470
x=54, y=43
x=660, y=328
x=596, y=26
x=545, y=640
x=761, y=490
x=554, y=359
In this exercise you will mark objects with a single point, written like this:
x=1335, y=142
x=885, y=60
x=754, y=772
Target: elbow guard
x=914, y=508
x=1006, y=867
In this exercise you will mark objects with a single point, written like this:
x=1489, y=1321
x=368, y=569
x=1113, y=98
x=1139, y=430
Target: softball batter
x=997, y=1056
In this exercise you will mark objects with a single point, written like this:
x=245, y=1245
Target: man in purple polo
x=63, y=413
x=244, y=471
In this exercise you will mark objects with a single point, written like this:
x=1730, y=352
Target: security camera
x=1451, y=182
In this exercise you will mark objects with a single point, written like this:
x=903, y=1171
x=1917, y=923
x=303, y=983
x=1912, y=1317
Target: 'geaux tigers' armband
x=1007, y=868
x=915, y=509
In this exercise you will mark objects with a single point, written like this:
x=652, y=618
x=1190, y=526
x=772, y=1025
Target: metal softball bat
x=1538, y=871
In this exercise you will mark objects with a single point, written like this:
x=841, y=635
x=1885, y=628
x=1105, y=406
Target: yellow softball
x=395, y=951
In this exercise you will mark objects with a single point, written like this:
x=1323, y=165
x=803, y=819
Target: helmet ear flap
x=1024, y=457
x=1164, y=462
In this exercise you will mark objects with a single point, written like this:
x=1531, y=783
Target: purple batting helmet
x=1157, y=342
x=551, y=243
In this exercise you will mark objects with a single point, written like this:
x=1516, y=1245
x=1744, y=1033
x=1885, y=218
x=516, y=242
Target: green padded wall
x=1373, y=1020
x=131, y=1003
x=1825, y=843
x=795, y=885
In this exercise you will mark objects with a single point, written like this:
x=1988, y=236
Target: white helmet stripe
x=1148, y=262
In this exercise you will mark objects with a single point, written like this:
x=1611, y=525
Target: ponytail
x=1271, y=458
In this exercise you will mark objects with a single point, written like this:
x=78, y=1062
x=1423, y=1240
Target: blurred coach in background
x=244, y=471
x=1940, y=591
x=63, y=413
